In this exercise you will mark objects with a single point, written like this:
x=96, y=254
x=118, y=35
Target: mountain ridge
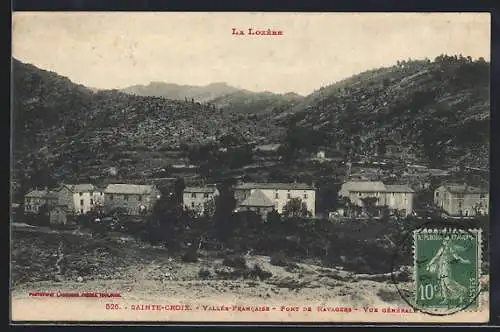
x=199, y=93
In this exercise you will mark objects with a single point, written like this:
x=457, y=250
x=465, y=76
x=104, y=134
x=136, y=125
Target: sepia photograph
x=250, y=167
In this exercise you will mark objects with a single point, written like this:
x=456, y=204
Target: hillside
x=256, y=102
x=181, y=92
x=71, y=131
x=440, y=109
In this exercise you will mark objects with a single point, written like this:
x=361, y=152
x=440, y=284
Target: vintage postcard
x=250, y=167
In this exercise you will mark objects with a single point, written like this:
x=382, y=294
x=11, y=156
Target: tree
x=42, y=216
x=370, y=205
x=224, y=207
x=381, y=148
x=165, y=222
x=349, y=207
x=295, y=208
x=179, y=187
x=209, y=208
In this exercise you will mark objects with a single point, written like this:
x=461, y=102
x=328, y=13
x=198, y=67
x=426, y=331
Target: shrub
x=204, y=273
x=258, y=272
x=279, y=259
x=190, y=257
x=236, y=261
x=293, y=267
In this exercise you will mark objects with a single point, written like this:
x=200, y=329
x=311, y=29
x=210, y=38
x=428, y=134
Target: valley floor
x=150, y=276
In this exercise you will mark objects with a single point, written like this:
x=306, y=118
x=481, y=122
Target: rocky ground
x=68, y=262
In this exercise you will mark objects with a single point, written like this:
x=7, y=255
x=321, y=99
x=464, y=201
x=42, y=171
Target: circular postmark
x=436, y=267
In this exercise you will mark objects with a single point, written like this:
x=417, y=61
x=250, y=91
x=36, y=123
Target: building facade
x=196, y=198
x=35, y=199
x=61, y=215
x=462, y=200
x=396, y=197
x=80, y=198
x=279, y=194
x=134, y=199
x=257, y=202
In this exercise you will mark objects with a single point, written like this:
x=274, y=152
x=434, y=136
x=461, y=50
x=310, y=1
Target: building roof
x=464, y=189
x=282, y=186
x=364, y=186
x=37, y=193
x=398, y=188
x=41, y=194
x=76, y=188
x=62, y=208
x=200, y=189
x=125, y=188
x=257, y=198
x=376, y=186
x=267, y=147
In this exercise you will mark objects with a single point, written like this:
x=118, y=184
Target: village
x=364, y=192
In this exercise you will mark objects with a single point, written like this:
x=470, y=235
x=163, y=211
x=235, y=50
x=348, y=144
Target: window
x=288, y=196
x=460, y=195
x=305, y=196
x=459, y=205
x=81, y=210
x=91, y=201
x=125, y=197
x=205, y=195
x=81, y=202
x=101, y=194
x=276, y=195
x=193, y=195
x=482, y=196
x=359, y=194
x=110, y=197
x=192, y=205
x=81, y=194
x=437, y=193
x=139, y=198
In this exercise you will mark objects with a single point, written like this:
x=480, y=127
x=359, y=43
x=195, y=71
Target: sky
x=112, y=50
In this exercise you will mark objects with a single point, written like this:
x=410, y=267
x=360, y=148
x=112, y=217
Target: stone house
x=278, y=193
x=462, y=199
x=396, y=197
x=61, y=215
x=257, y=202
x=80, y=198
x=195, y=198
x=35, y=199
x=134, y=199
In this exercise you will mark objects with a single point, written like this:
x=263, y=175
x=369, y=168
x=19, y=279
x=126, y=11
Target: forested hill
x=440, y=109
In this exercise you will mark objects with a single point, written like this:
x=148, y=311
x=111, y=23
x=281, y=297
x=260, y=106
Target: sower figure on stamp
x=441, y=265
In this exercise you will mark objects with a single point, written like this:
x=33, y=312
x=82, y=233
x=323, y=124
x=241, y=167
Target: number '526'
x=112, y=306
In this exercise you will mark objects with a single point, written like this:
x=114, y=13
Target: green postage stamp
x=447, y=265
